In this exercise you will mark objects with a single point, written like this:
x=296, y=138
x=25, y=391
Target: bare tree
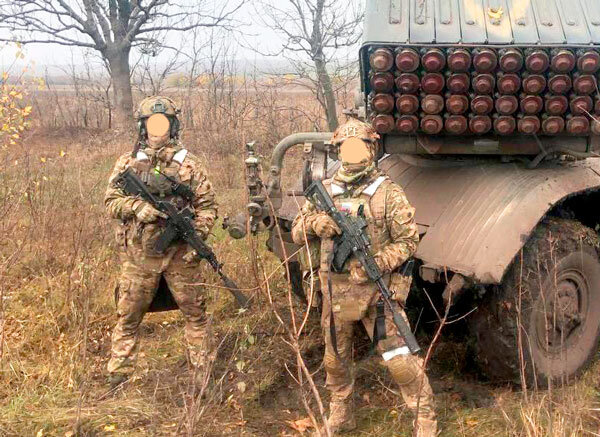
x=92, y=86
x=151, y=73
x=112, y=27
x=318, y=31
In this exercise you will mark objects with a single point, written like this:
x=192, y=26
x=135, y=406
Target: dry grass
x=57, y=271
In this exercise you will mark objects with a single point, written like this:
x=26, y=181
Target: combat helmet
x=355, y=128
x=158, y=105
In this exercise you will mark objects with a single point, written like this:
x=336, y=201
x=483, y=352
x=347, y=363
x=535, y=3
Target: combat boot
x=424, y=427
x=341, y=417
x=117, y=379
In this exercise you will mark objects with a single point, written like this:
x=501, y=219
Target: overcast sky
x=255, y=35
x=54, y=54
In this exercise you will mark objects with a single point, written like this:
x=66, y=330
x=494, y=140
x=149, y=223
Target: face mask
x=356, y=155
x=158, y=127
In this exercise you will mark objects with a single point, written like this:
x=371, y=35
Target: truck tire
x=557, y=277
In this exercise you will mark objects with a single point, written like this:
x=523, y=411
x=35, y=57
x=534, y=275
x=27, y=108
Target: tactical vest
x=156, y=175
x=372, y=198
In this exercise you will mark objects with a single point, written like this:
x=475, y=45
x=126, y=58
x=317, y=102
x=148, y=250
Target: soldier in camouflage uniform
x=394, y=238
x=157, y=157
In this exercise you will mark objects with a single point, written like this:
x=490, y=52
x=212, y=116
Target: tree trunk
x=328, y=94
x=120, y=74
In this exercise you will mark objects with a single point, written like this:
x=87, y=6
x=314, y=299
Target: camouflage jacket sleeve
x=118, y=204
x=205, y=205
x=404, y=234
x=302, y=228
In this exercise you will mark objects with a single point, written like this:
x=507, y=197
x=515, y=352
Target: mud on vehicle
x=488, y=116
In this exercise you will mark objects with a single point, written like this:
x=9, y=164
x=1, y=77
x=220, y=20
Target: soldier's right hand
x=325, y=227
x=358, y=275
x=146, y=213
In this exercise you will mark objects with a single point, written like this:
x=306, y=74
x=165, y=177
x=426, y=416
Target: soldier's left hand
x=358, y=275
x=146, y=213
x=325, y=227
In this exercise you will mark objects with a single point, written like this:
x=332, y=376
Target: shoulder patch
x=371, y=189
x=336, y=189
x=141, y=156
x=180, y=156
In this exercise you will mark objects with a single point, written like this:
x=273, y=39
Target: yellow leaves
x=300, y=425
x=16, y=95
x=110, y=428
x=63, y=154
x=495, y=13
x=41, y=84
x=14, y=114
x=43, y=159
x=471, y=422
x=241, y=386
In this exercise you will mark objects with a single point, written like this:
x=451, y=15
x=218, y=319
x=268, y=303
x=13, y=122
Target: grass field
x=58, y=268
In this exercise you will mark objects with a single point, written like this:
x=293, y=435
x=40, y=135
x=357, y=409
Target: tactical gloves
x=146, y=213
x=203, y=226
x=324, y=226
x=190, y=256
x=358, y=275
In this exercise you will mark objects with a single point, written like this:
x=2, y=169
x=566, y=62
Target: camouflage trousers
x=406, y=370
x=138, y=283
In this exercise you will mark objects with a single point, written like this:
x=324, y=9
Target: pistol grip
x=165, y=239
x=342, y=251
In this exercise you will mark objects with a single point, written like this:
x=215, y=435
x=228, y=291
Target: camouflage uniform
x=394, y=238
x=142, y=267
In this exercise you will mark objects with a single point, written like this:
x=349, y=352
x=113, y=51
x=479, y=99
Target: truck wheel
x=555, y=281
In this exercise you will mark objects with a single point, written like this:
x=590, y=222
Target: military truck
x=488, y=112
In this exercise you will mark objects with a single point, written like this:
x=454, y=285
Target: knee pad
x=405, y=368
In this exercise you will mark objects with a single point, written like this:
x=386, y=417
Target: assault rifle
x=354, y=240
x=179, y=227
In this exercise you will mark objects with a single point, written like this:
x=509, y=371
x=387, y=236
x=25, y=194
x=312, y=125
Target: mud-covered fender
x=474, y=216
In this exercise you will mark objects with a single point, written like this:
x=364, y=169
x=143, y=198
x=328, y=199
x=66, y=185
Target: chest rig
x=366, y=201
x=159, y=171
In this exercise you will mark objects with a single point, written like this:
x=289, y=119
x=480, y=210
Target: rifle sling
x=379, y=325
x=332, y=333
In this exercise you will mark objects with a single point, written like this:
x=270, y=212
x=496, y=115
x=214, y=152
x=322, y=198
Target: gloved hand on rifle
x=358, y=275
x=190, y=256
x=203, y=230
x=146, y=213
x=203, y=226
x=324, y=226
